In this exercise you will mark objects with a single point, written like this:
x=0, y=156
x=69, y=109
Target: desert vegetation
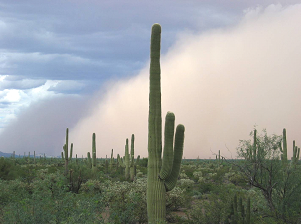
x=264, y=189
x=262, y=185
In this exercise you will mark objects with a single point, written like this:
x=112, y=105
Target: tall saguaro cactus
x=161, y=177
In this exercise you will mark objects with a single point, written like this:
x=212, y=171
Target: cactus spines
x=93, y=152
x=159, y=182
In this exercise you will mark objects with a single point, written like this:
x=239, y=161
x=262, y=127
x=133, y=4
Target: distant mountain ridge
x=4, y=154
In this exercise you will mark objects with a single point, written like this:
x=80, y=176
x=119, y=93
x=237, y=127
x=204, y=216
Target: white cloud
x=11, y=96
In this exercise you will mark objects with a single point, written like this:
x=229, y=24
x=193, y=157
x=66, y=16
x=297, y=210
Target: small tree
x=262, y=168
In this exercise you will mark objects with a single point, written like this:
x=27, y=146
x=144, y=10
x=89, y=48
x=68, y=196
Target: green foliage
x=8, y=169
x=46, y=200
x=278, y=181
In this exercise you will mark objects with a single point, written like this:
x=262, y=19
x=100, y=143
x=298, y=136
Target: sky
x=226, y=66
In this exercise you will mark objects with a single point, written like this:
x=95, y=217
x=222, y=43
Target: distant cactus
x=296, y=154
x=284, y=149
x=89, y=159
x=111, y=161
x=127, y=160
x=254, y=145
x=94, y=152
x=133, y=164
x=238, y=214
x=65, y=153
x=160, y=178
x=119, y=164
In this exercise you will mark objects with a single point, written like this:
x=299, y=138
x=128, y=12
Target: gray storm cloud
x=42, y=126
x=218, y=83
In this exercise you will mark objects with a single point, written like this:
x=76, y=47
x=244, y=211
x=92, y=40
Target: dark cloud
x=42, y=126
x=91, y=39
x=12, y=83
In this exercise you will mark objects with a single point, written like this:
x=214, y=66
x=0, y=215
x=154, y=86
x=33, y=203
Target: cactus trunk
x=132, y=165
x=127, y=160
x=160, y=180
x=66, y=151
x=93, y=152
x=284, y=155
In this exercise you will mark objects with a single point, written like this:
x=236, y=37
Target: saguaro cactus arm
x=171, y=180
x=71, y=151
x=168, y=145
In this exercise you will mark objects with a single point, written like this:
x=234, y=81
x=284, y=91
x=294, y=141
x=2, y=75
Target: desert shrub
x=70, y=208
x=215, y=208
x=175, y=199
x=126, y=201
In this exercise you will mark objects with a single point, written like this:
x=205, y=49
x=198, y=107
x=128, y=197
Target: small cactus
x=93, y=152
x=127, y=160
x=133, y=164
x=296, y=154
x=65, y=152
x=237, y=212
x=284, y=149
x=89, y=159
x=111, y=161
